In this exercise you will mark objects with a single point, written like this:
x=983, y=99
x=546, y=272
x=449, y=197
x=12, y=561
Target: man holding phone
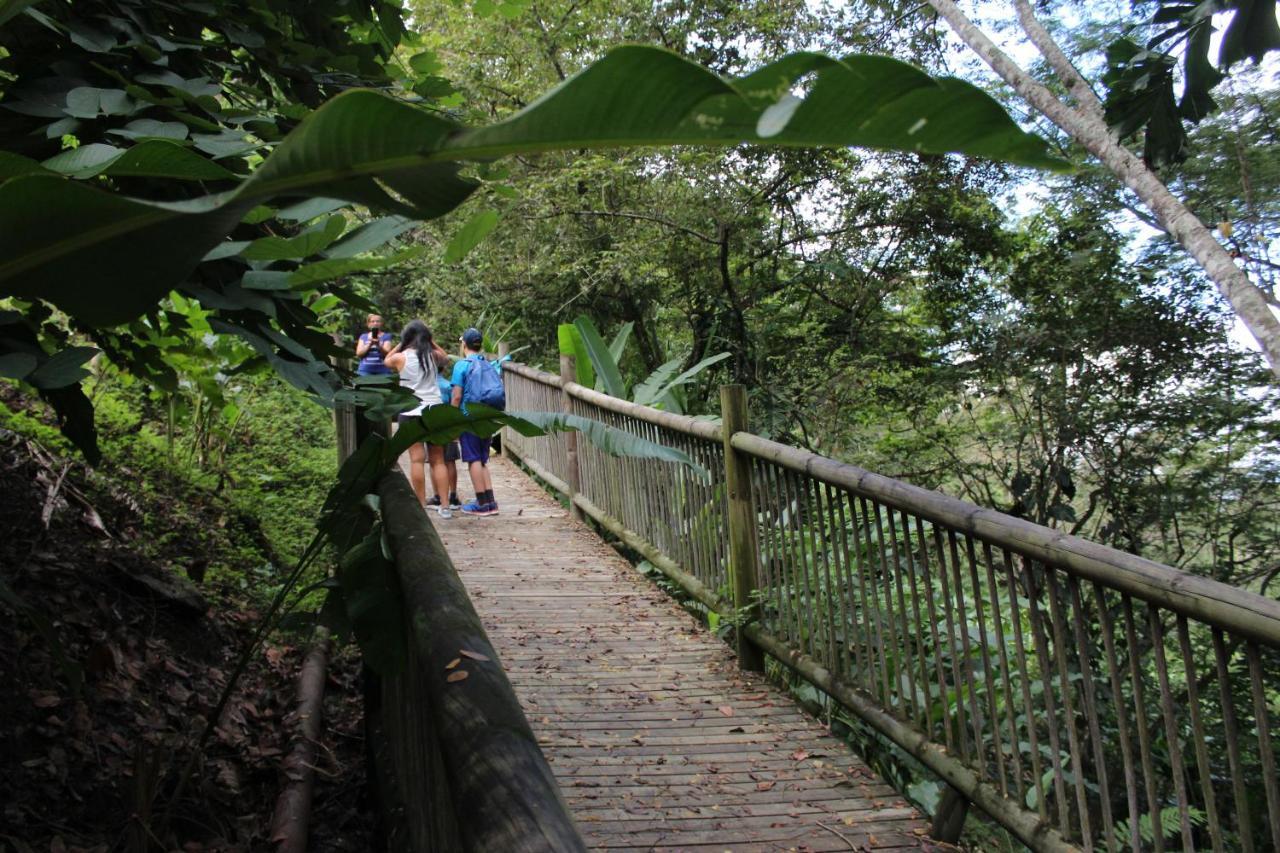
x=371, y=347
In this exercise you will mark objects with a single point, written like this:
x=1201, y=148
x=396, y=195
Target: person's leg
x=475, y=452
x=439, y=475
x=480, y=477
x=417, y=476
x=451, y=455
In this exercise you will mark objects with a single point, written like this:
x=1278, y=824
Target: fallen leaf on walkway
x=799, y=755
x=457, y=676
x=726, y=710
x=472, y=655
x=764, y=786
x=451, y=664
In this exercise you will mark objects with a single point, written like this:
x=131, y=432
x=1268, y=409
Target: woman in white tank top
x=416, y=361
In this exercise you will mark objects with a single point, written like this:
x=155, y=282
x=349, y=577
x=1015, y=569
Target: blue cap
x=472, y=337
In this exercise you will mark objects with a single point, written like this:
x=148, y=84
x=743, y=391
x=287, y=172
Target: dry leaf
x=457, y=676
x=764, y=786
x=451, y=664
x=799, y=755
x=726, y=710
x=466, y=653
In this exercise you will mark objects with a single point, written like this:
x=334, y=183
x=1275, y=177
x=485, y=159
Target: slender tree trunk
x=1086, y=126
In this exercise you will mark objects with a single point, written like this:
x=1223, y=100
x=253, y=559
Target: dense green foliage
x=916, y=311
x=245, y=505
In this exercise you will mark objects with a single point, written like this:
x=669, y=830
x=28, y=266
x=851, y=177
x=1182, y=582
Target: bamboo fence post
x=500, y=438
x=344, y=416
x=569, y=373
x=744, y=550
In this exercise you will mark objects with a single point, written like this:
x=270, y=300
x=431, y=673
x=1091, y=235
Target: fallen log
x=291, y=823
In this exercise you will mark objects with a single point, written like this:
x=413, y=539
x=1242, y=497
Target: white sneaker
x=445, y=512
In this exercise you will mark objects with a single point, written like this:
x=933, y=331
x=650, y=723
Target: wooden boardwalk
x=655, y=737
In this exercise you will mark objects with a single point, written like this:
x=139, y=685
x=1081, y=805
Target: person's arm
x=362, y=345
x=459, y=375
x=395, y=360
x=384, y=344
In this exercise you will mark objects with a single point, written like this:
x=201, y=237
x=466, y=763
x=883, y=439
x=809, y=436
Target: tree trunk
x=1248, y=302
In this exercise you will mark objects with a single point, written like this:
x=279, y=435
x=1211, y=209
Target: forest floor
x=111, y=662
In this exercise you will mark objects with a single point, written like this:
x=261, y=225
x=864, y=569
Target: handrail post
x=569, y=373
x=500, y=437
x=744, y=550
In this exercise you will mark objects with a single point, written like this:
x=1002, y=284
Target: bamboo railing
x=1083, y=697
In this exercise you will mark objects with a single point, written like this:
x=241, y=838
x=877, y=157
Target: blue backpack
x=484, y=386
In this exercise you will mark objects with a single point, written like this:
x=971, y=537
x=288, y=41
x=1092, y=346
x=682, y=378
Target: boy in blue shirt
x=475, y=450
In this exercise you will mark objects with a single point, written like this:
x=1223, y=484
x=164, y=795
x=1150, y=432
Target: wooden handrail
x=1209, y=601
x=670, y=420
x=465, y=769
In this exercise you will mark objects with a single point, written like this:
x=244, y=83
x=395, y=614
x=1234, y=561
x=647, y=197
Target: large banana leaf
x=660, y=391
x=647, y=391
x=441, y=424
x=104, y=258
x=601, y=358
x=571, y=343
x=619, y=343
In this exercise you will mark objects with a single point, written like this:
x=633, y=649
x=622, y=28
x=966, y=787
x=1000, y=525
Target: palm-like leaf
x=105, y=258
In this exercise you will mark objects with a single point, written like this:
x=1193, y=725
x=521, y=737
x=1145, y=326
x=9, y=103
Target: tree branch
x=1058, y=61
x=1246, y=299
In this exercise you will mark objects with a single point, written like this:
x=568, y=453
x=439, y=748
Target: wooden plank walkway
x=657, y=740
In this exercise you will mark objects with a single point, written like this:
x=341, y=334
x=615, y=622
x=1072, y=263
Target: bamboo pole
x=744, y=550
x=569, y=372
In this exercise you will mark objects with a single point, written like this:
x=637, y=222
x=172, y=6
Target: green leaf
x=619, y=344
x=373, y=603
x=81, y=248
x=611, y=440
x=308, y=243
x=688, y=376
x=368, y=237
x=425, y=63
x=571, y=343
x=62, y=369
x=15, y=165
x=149, y=128
x=647, y=391
x=307, y=210
x=156, y=158
x=441, y=424
x=470, y=235
x=601, y=358
x=331, y=268
x=10, y=8
x=16, y=365
x=1252, y=33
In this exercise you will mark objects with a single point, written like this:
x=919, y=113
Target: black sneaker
x=454, y=503
x=434, y=500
